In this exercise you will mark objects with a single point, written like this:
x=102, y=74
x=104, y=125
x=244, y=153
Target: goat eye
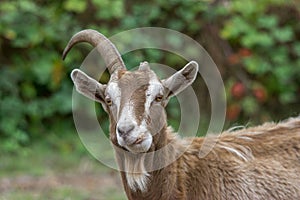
x=108, y=101
x=158, y=98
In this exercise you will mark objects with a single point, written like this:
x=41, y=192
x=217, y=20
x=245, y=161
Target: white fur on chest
x=136, y=174
x=137, y=181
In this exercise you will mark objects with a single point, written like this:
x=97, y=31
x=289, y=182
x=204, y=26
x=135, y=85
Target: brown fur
x=121, y=73
x=269, y=167
x=133, y=87
x=255, y=163
x=262, y=162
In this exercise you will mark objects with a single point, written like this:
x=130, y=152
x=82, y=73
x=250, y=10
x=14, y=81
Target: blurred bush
x=255, y=44
x=265, y=43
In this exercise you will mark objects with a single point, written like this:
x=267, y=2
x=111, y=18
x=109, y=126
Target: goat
x=262, y=162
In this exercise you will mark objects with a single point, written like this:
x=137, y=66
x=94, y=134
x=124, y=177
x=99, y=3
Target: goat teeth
x=139, y=140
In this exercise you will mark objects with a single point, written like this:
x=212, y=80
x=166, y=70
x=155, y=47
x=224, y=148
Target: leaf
x=42, y=70
x=176, y=25
x=236, y=27
x=57, y=73
x=27, y=5
x=28, y=90
x=8, y=7
x=283, y=73
x=109, y=9
x=283, y=34
x=287, y=97
x=75, y=5
x=10, y=34
x=268, y=22
x=254, y=38
x=250, y=105
x=256, y=65
x=296, y=48
x=245, y=7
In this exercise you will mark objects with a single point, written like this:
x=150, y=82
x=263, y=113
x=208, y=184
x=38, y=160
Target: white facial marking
x=114, y=92
x=126, y=117
x=154, y=88
x=139, y=139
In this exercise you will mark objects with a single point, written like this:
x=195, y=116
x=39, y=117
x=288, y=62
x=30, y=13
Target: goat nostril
x=120, y=131
x=123, y=131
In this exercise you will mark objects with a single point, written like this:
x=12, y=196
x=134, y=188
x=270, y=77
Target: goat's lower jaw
x=141, y=145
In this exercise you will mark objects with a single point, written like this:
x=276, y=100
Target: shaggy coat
x=255, y=163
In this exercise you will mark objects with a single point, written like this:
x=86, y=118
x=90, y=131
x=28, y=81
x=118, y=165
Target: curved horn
x=105, y=47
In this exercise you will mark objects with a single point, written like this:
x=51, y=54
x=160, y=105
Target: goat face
x=135, y=101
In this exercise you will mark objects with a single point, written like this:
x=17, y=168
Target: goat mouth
x=138, y=140
x=140, y=144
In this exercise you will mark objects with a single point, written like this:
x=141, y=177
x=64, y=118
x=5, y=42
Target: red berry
x=233, y=59
x=238, y=90
x=233, y=111
x=245, y=52
x=260, y=94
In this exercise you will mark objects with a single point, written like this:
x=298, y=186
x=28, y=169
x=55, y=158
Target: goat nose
x=123, y=130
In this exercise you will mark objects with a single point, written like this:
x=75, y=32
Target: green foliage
x=75, y=5
x=35, y=88
x=271, y=39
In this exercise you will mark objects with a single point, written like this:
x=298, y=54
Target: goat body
x=254, y=163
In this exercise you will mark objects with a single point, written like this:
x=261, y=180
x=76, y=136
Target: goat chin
x=140, y=144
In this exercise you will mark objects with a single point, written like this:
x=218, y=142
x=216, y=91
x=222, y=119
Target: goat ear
x=181, y=79
x=88, y=86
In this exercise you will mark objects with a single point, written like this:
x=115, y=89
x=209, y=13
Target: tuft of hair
x=136, y=173
x=137, y=181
